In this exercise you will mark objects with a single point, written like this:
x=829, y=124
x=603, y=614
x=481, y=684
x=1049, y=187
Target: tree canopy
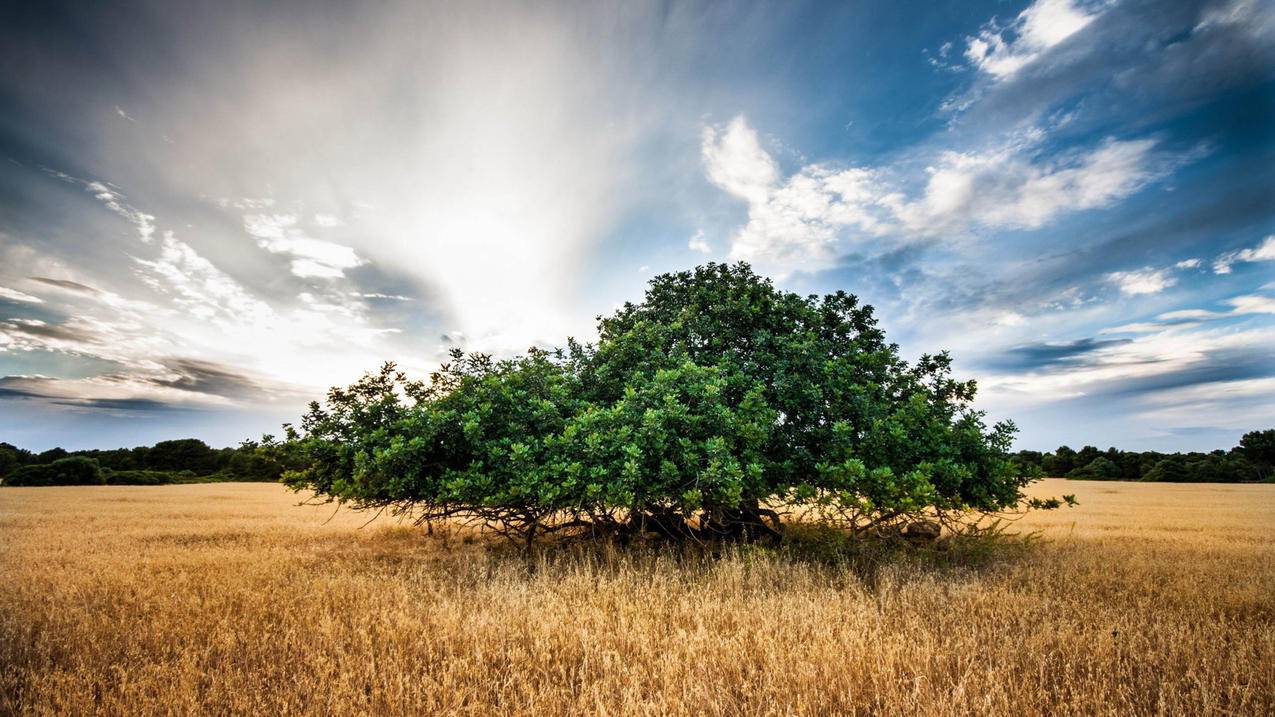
x=698, y=412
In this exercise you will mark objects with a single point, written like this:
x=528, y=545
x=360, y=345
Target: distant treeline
x=186, y=460
x=190, y=460
x=1253, y=460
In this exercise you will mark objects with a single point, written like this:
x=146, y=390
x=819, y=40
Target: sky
x=212, y=211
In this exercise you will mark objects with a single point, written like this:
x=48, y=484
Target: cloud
x=1002, y=51
x=386, y=297
x=737, y=163
x=18, y=296
x=145, y=223
x=1248, y=304
x=1146, y=281
x=1262, y=252
x=66, y=284
x=83, y=394
x=1048, y=355
x=808, y=219
x=198, y=286
x=311, y=258
x=70, y=332
x=1174, y=357
x=1252, y=304
x=698, y=243
x=1008, y=189
x=120, y=404
x=1101, y=61
x=203, y=377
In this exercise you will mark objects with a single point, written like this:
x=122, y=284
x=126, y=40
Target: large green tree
x=699, y=412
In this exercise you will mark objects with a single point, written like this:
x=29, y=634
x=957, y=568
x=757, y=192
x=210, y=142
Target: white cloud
x=1262, y=252
x=114, y=201
x=1146, y=281
x=807, y=220
x=328, y=220
x=737, y=163
x=198, y=286
x=15, y=295
x=1003, y=51
x=1187, y=264
x=1253, y=304
x=1188, y=315
x=312, y=258
x=1240, y=306
x=388, y=297
x=1010, y=318
x=795, y=223
x=1004, y=188
x=698, y=243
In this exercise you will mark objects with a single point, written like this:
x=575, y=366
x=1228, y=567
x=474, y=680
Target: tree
x=1168, y=470
x=1259, y=448
x=183, y=454
x=698, y=410
x=12, y=457
x=1060, y=462
x=1100, y=468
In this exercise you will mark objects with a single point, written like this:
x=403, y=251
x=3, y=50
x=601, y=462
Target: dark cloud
x=1033, y=357
x=209, y=378
x=66, y=284
x=47, y=391
x=1223, y=366
x=121, y=404
x=64, y=332
x=23, y=387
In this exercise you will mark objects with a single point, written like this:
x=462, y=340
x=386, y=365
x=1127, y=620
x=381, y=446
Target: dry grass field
x=229, y=599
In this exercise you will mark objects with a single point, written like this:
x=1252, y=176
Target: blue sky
x=209, y=213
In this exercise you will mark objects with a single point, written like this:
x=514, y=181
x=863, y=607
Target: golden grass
x=228, y=599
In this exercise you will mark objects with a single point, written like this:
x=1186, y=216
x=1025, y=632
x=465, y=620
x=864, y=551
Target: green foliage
x=183, y=454
x=1258, y=448
x=72, y=470
x=1252, y=460
x=714, y=398
x=1100, y=468
x=11, y=458
x=130, y=477
x=179, y=461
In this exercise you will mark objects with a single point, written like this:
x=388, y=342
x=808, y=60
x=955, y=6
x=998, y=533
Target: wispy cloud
x=1145, y=281
x=311, y=258
x=1262, y=252
x=19, y=296
x=698, y=243
x=1002, y=50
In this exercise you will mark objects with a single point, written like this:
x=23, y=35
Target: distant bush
x=148, y=477
x=73, y=470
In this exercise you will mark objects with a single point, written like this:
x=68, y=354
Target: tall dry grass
x=229, y=599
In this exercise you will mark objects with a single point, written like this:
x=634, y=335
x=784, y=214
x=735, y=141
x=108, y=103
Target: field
x=230, y=599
